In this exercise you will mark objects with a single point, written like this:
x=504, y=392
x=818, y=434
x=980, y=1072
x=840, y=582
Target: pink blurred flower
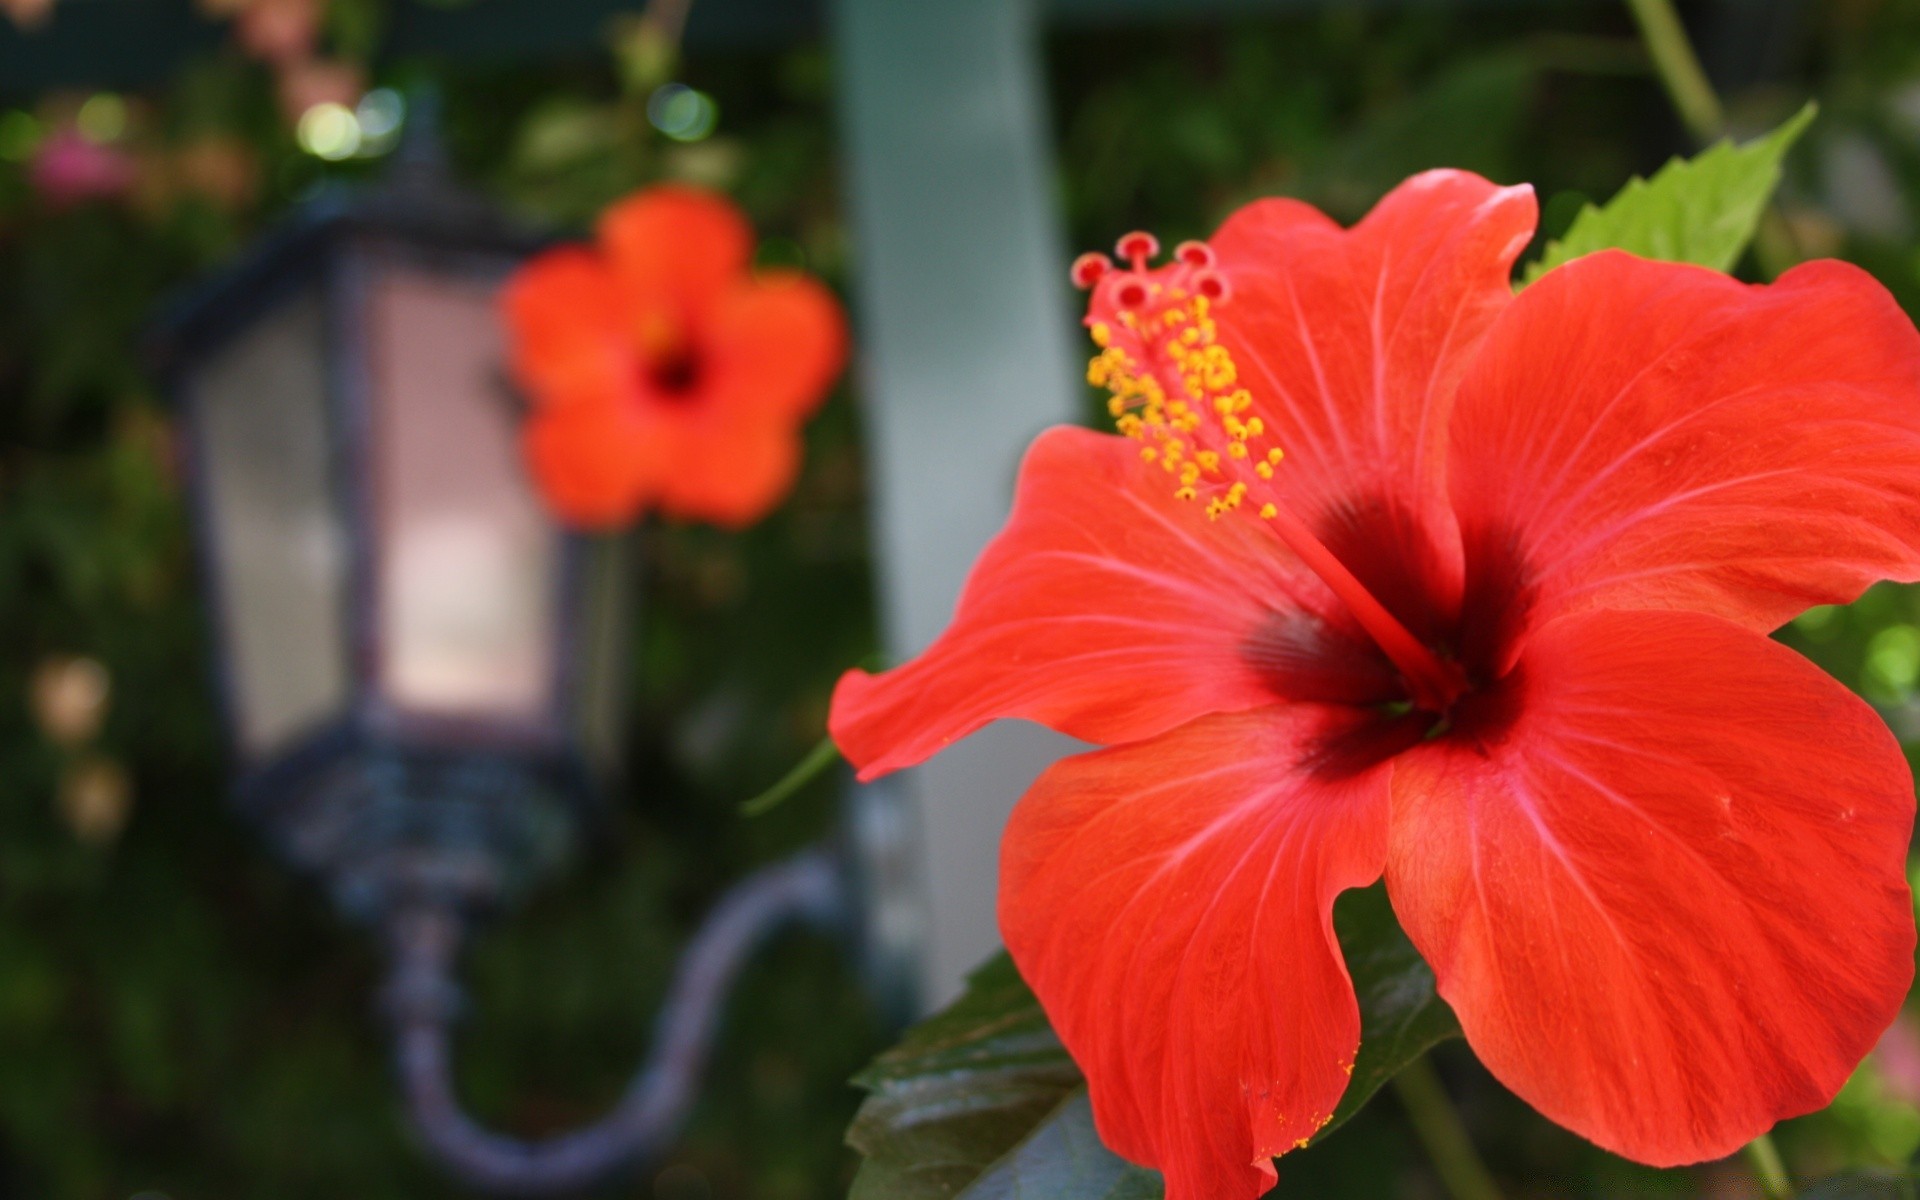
x=319, y=81
x=27, y=14
x=1898, y=1056
x=278, y=31
x=68, y=168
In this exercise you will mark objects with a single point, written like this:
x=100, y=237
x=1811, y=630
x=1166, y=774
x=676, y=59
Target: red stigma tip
x=1137, y=248
x=1131, y=295
x=1088, y=268
x=1198, y=255
x=1211, y=284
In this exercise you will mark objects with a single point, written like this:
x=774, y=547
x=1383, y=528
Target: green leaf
x=1863, y=1185
x=1700, y=210
x=981, y=1102
x=1401, y=1016
x=959, y=1091
x=1063, y=1157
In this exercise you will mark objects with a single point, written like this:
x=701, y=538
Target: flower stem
x=1679, y=68
x=1702, y=113
x=1764, y=1158
x=818, y=759
x=1442, y=1134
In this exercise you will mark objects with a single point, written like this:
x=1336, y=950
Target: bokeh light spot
x=103, y=118
x=1893, y=658
x=330, y=131
x=680, y=112
x=380, y=114
x=19, y=136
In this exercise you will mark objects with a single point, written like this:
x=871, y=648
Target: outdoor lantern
x=417, y=664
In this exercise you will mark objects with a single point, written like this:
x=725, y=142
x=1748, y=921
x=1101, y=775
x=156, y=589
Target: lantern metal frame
x=424, y=828
x=375, y=798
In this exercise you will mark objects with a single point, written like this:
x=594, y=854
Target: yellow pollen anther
x=1268, y=512
x=1173, y=386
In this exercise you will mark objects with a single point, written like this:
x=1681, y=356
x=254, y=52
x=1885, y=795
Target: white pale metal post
x=966, y=336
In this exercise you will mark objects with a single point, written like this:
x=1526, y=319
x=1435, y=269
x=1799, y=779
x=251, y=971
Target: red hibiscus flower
x=1494, y=628
x=662, y=373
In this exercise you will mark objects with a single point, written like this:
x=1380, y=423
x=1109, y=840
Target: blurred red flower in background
x=1494, y=628
x=662, y=373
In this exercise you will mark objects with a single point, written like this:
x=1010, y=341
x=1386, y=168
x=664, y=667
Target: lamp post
x=417, y=667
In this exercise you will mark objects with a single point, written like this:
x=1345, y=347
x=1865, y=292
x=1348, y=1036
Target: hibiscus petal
x=775, y=345
x=1109, y=611
x=596, y=464
x=1171, y=904
x=1652, y=435
x=1661, y=880
x=680, y=244
x=1352, y=343
x=730, y=470
x=563, y=311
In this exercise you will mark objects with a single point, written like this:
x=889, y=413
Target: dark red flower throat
x=1175, y=388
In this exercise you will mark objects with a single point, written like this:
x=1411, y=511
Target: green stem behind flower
x=1679, y=68
x=1702, y=113
x=1442, y=1134
x=818, y=759
x=1767, y=1167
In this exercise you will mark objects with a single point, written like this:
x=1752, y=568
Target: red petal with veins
x=1353, y=342
x=1650, y=435
x=1171, y=903
x=1110, y=611
x=1660, y=877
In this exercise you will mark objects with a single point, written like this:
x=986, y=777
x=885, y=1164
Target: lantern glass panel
x=268, y=457
x=468, y=565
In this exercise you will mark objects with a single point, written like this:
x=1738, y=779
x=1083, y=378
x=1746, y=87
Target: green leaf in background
x=1699, y=210
x=981, y=1102
x=1863, y=1185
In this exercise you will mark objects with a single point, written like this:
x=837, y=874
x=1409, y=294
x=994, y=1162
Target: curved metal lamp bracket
x=422, y=1001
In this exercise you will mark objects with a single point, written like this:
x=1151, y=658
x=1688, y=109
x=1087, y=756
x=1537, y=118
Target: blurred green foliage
x=180, y=1018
